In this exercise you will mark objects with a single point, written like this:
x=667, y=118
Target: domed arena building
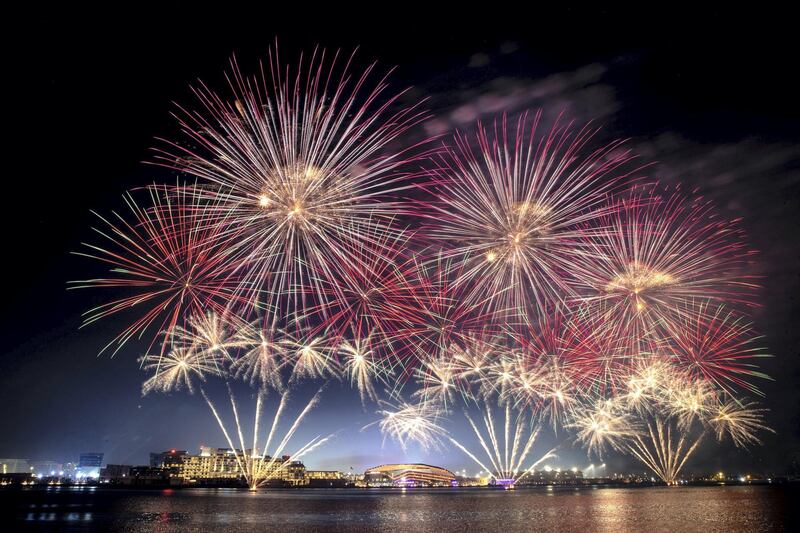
x=408, y=475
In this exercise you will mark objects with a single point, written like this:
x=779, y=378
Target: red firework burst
x=164, y=259
x=717, y=346
x=363, y=297
x=431, y=312
x=653, y=261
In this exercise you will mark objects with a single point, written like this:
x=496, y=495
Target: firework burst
x=654, y=261
x=176, y=370
x=412, y=422
x=718, y=346
x=262, y=356
x=510, y=214
x=300, y=168
x=533, y=292
x=602, y=426
x=739, y=420
x=361, y=367
x=164, y=260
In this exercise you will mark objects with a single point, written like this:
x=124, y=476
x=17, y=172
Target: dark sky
x=711, y=98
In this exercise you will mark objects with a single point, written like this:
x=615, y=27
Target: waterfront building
x=168, y=458
x=15, y=466
x=46, y=468
x=220, y=465
x=115, y=473
x=408, y=475
x=325, y=478
x=89, y=465
x=477, y=481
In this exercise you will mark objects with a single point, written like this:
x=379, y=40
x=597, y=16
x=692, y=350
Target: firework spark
x=417, y=422
x=739, y=420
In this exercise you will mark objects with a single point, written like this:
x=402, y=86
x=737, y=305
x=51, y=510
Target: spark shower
x=518, y=278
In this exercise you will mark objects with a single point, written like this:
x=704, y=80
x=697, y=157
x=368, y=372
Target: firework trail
x=663, y=454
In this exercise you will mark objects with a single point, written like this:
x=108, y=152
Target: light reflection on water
x=745, y=508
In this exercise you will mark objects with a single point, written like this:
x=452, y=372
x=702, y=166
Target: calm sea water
x=652, y=509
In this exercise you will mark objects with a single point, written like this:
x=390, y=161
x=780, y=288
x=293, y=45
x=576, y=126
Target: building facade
x=326, y=478
x=220, y=465
x=15, y=466
x=408, y=475
x=89, y=465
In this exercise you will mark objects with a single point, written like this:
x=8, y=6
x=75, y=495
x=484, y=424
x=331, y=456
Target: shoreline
x=385, y=490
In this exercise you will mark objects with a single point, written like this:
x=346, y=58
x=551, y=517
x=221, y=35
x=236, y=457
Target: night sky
x=703, y=96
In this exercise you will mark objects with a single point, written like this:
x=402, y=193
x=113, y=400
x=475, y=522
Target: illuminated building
x=46, y=468
x=89, y=465
x=14, y=466
x=215, y=465
x=115, y=473
x=551, y=476
x=325, y=478
x=408, y=475
x=477, y=481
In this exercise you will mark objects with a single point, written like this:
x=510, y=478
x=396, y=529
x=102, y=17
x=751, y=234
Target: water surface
x=651, y=509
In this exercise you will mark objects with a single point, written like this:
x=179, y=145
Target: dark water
x=707, y=509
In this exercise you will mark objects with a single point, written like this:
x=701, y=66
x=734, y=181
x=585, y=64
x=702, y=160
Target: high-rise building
x=89, y=465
